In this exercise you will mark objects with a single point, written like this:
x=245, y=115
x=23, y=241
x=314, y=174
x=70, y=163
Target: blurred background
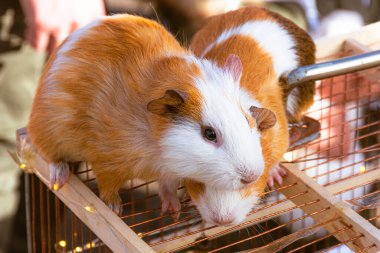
x=31, y=29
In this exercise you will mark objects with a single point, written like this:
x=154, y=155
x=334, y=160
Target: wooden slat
x=100, y=219
x=339, y=210
x=328, y=47
x=268, y=213
x=354, y=47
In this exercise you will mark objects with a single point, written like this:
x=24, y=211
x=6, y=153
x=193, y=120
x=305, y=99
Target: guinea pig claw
x=116, y=208
x=278, y=178
x=270, y=182
x=276, y=174
x=282, y=170
x=59, y=174
x=173, y=206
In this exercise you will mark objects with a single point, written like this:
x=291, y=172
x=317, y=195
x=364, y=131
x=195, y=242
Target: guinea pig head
x=207, y=127
x=224, y=207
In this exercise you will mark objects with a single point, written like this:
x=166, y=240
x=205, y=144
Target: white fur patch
x=274, y=39
x=61, y=61
x=188, y=155
x=215, y=204
x=223, y=100
x=69, y=43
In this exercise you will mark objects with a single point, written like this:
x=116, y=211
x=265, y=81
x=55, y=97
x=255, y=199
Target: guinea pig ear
x=168, y=104
x=265, y=118
x=234, y=66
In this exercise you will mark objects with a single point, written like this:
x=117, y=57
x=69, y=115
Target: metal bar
x=333, y=68
x=34, y=231
x=28, y=204
x=48, y=223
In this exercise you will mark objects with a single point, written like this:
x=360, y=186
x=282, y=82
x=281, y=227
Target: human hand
x=49, y=22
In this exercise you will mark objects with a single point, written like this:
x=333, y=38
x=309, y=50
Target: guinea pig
x=124, y=96
x=268, y=46
x=288, y=46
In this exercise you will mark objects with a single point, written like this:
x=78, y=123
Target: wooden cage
x=330, y=199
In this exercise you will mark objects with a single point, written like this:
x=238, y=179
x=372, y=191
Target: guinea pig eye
x=209, y=134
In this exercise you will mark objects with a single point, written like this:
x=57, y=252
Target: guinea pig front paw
x=114, y=203
x=116, y=208
x=167, y=191
x=171, y=205
x=59, y=174
x=276, y=173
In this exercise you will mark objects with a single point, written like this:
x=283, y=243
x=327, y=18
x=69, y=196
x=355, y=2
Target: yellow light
x=62, y=243
x=22, y=166
x=55, y=187
x=140, y=234
x=288, y=156
x=90, y=209
x=78, y=249
x=362, y=169
x=90, y=245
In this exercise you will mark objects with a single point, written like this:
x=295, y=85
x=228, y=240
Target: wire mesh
x=54, y=228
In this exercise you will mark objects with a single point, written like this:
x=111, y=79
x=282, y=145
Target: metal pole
x=333, y=68
x=27, y=211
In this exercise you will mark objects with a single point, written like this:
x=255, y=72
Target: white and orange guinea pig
x=123, y=95
x=268, y=46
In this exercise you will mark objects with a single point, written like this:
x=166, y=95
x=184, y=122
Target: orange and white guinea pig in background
x=124, y=96
x=268, y=46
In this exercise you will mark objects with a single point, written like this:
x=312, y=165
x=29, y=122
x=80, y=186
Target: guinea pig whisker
x=276, y=221
x=258, y=231
x=258, y=228
x=239, y=234
x=188, y=212
x=248, y=232
x=271, y=239
x=196, y=223
x=254, y=229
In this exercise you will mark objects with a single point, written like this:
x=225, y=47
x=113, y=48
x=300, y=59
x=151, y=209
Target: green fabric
x=19, y=74
x=18, y=81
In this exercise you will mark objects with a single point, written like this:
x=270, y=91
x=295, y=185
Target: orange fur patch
x=194, y=189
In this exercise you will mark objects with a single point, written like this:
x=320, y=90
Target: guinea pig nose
x=224, y=220
x=248, y=178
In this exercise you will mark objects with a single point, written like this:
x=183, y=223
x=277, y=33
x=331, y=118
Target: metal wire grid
x=349, y=147
x=53, y=227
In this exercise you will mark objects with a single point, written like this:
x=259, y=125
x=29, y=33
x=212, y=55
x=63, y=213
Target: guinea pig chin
x=225, y=208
